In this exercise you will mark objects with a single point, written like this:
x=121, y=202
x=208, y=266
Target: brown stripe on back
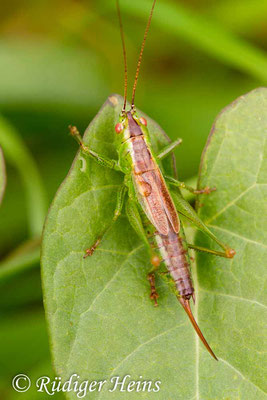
x=141, y=156
x=151, y=204
x=151, y=188
x=134, y=128
x=168, y=203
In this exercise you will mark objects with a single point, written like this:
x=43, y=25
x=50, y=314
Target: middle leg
x=182, y=185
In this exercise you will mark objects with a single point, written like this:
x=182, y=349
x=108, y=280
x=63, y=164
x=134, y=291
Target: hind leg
x=153, y=292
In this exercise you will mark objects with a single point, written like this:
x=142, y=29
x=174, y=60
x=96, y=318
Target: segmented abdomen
x=175, y=255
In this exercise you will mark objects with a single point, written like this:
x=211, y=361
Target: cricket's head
x=130, y=125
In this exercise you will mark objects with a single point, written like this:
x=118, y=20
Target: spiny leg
x=104, y=161
x=168, y=149
x=117, y=213
x=182, y=185
x=184, y=208
x=155, y=261
x=137, y=224
x=153, y=293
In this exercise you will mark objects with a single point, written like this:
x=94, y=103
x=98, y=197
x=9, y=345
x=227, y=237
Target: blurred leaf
x=101, y=320
x=241, y=15
x=20, y=260
x=185, y=105
x=37, y=74
x=19, y=156
x=22, y=292
x=2, y=175
x=25, y=341
x=25, y=350
x=232, y=293
x=202, y=33
x=19, y=283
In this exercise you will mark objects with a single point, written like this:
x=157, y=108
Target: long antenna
x=141, y=53
x=124, y=57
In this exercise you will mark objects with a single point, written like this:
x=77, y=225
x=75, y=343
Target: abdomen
x=174, y=253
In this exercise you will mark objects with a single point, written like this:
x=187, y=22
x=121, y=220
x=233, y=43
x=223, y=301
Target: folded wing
x=154, y=197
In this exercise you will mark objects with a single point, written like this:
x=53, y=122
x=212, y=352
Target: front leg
x=104, y=161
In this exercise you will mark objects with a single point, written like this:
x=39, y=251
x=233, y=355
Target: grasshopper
x=151, y=207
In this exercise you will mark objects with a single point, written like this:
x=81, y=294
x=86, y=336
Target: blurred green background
x=59, y=61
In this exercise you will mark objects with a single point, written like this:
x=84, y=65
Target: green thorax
x=132, y=128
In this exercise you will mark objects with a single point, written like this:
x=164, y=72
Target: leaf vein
x=239, y=373
x=142, y=345
x=111, y=280
x=72, y=345
x=231, y=203
x=239, y=236
x=233, y=297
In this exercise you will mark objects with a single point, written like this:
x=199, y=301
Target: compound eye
x=119, y=127
x=143, y=121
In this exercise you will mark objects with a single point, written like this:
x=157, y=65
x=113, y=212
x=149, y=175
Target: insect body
x=151, y=202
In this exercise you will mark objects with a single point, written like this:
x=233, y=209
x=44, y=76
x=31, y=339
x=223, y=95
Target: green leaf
x=101, y=320
x=2, y=175
x=19, y=156
x=232, y=297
